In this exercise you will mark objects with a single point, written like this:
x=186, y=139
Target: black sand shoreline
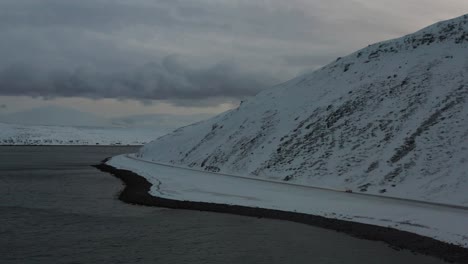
x=137, y=189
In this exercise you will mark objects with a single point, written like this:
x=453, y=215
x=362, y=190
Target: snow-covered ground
x=390, y=119
x=11, y=134
x=443, y=223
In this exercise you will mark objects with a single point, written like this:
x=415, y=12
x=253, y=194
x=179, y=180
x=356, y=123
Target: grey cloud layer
x=186, y=50
x=165, y=80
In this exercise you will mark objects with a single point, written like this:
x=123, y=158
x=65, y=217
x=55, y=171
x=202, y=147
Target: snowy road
x=132, y=156
x=445, y=223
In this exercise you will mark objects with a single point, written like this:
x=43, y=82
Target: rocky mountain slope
x=389, y=119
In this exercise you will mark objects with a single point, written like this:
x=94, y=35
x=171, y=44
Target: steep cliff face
x=391, y=118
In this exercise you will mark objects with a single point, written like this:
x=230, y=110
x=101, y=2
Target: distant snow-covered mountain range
x=53, y=115
x=14, y=134
x=54, y=125
x=389, y=119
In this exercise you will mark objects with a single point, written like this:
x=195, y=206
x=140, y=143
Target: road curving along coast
x=137, y=189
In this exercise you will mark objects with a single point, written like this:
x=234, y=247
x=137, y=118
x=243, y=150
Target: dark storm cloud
x=121, y=49
x=170, y=79
x=185, y=50
x=100, y=15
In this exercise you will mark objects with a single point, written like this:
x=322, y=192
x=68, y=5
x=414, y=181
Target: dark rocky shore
x=137, y=190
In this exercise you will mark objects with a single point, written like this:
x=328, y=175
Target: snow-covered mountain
x=389, y=119
x=12, y=134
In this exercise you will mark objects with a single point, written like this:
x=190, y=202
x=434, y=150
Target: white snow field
x=448, y=224
x=11, y=134
x=390, y=119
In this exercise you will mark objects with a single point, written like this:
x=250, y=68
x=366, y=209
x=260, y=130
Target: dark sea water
x=56, y=208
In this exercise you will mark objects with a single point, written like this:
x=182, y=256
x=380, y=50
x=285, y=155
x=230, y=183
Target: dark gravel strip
x=137, y=192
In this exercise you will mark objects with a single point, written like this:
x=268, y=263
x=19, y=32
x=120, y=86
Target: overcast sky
x=116, y=57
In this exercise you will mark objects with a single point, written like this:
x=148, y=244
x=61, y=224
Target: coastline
x=137, y=189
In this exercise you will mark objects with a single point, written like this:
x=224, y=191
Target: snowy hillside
x=389, y=119
x=61, y=135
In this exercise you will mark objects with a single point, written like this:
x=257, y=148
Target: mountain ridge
x=387, y=119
